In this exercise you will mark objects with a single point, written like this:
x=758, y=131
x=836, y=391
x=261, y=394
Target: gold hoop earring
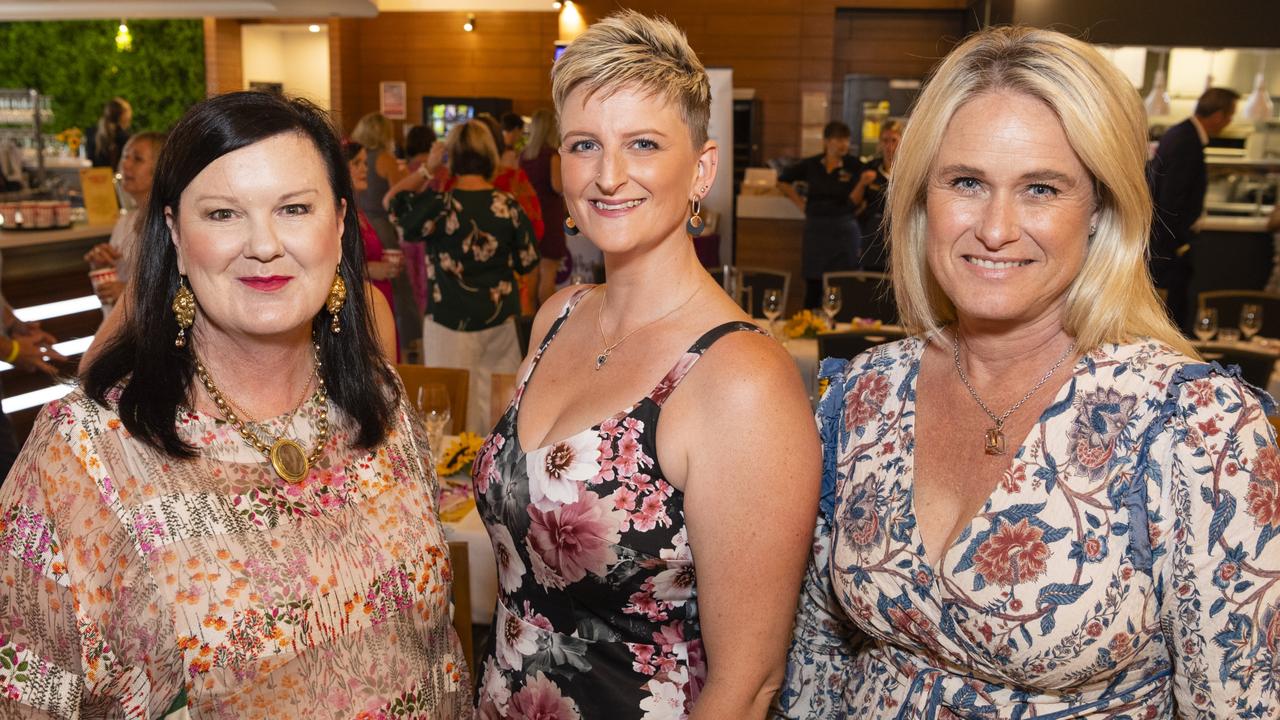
x=337, y=297
x=184, y=311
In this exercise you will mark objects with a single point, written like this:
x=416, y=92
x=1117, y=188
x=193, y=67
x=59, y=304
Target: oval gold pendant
x=289, y=460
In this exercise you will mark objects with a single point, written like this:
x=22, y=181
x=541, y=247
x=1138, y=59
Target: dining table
x=804, y=350
x=462, y=523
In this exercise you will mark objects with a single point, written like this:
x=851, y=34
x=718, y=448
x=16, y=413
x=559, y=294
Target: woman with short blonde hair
x=1043, y=503
x=638, y=575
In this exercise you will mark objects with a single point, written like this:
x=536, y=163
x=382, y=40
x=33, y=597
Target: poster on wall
x=393, y=99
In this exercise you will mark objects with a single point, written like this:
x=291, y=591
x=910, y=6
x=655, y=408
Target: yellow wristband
x=13, y=351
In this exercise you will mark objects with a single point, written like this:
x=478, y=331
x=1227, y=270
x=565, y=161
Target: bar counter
x=43, y=267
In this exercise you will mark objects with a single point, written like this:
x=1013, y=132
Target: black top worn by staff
x=828, y=191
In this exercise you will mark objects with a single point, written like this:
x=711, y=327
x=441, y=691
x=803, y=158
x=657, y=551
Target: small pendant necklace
x=603, y=355
x=993, y=440
x=289, y=460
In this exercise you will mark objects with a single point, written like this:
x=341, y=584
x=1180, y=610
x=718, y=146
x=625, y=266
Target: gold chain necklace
x=603, y=356
x=993, y=441
x=289, y=460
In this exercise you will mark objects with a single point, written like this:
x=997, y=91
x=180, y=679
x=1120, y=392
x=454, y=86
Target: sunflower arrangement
x=459, y=455
x=72, y=137
x=805, y=324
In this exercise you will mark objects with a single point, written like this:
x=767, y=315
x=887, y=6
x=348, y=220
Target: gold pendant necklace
x=288, y=458
x=993, y=438
x=603, y=355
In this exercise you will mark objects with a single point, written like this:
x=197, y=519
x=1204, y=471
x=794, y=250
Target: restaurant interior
x=781, y=70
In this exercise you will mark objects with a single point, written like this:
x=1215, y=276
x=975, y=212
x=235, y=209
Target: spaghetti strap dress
x=597, y=613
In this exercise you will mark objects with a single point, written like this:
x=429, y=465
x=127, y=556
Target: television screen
x=560, y=47
x=444, y=116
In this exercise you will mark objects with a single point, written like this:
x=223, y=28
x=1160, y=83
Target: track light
x=470, y=24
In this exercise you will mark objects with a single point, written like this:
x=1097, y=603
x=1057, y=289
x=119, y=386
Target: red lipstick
x=267, y=283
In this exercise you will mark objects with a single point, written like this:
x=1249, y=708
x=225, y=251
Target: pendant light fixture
x=124, y=39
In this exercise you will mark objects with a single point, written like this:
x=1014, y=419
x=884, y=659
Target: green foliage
x=76, y=63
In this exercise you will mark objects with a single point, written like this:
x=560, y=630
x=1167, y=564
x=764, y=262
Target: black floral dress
x=597, y=597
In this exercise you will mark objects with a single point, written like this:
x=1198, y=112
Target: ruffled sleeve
x=1219, y=472
x=823, y=641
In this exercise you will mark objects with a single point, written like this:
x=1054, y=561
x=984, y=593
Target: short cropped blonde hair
x=1112, y=299
x=374, y=132
x=628, y=49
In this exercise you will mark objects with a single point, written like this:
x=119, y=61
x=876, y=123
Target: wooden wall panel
x=223, y=66
x=896, y=43
x=773, y=47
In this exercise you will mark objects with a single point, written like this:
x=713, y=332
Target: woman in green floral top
x=478, y=241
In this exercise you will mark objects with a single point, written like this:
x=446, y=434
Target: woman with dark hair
x=479, y=241
x=831, y=233
x=106, y=141
x=417, y=145
x=236, y=512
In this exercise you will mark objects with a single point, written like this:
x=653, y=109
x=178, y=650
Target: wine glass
x=1206, y=323
x=831, y=302
x=1250, y=320
x=433, y=405
x=771, y=305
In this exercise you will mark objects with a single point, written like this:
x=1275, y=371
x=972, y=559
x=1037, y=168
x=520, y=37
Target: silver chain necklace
x=604, y=354
x=993, y=442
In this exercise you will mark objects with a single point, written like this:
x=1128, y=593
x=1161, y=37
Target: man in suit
x=1178, y=180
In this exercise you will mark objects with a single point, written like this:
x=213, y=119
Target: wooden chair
x=844, y=345
x=1230, y=302
x=455, y=382
x=755, y=281
x=501, y=388
x=461, y=565
x=864, y=294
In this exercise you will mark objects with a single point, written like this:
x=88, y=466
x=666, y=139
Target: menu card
x=99, y=195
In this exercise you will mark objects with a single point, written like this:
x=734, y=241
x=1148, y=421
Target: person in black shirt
x=869, y=196
x=831, y=234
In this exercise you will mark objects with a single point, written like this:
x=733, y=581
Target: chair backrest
x=1229, y=303
x=845, y=345
x=1256, y=367
x=461, y=565
x=501, y=387
x=755, y=281
x=455, y=381
x=864, y=294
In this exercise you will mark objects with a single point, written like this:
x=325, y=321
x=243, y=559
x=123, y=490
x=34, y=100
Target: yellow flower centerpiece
x=72, y=137
x=459, y=455
x=805, y=324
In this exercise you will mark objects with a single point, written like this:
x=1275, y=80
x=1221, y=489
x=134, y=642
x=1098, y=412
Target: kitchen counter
x=31, y=238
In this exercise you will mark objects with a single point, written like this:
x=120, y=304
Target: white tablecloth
x=484, y=569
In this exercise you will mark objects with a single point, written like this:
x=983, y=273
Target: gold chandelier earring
x=184, y=311
x=337, y=297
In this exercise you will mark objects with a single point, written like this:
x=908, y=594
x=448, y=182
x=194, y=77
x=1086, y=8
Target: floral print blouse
x=477, y=242
x=1126, y=565
x=133, y=580
x=597, y=613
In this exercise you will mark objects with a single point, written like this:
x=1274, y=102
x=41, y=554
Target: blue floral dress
x=597, y=612
x=1125, y=566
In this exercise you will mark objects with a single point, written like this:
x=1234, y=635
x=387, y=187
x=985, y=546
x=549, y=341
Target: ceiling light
x=557, y=5
x=124, y=40
x=313, y=28
x=470, y=24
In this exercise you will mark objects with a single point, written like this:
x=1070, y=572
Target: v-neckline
x=909, y=465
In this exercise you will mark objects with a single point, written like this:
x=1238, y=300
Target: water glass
x=771, y=305
x=831, y=302
x=1250, y=320
x=1206, y=323
x=433, y=405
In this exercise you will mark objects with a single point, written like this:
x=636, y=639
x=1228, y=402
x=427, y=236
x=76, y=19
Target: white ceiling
x=90, y=9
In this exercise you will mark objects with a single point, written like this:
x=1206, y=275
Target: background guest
x=379, y=270
x=1178, y=179
x=869, y=196
x=137, y=167
x=478, y=241
x=238, y=492
x=512, y=138
x=1045, y=464
x=831, y=233
x=417, y=145
x=375, y=133
x=28, y=348
x=540, y=160
x=104, y=142
x=599, y=524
